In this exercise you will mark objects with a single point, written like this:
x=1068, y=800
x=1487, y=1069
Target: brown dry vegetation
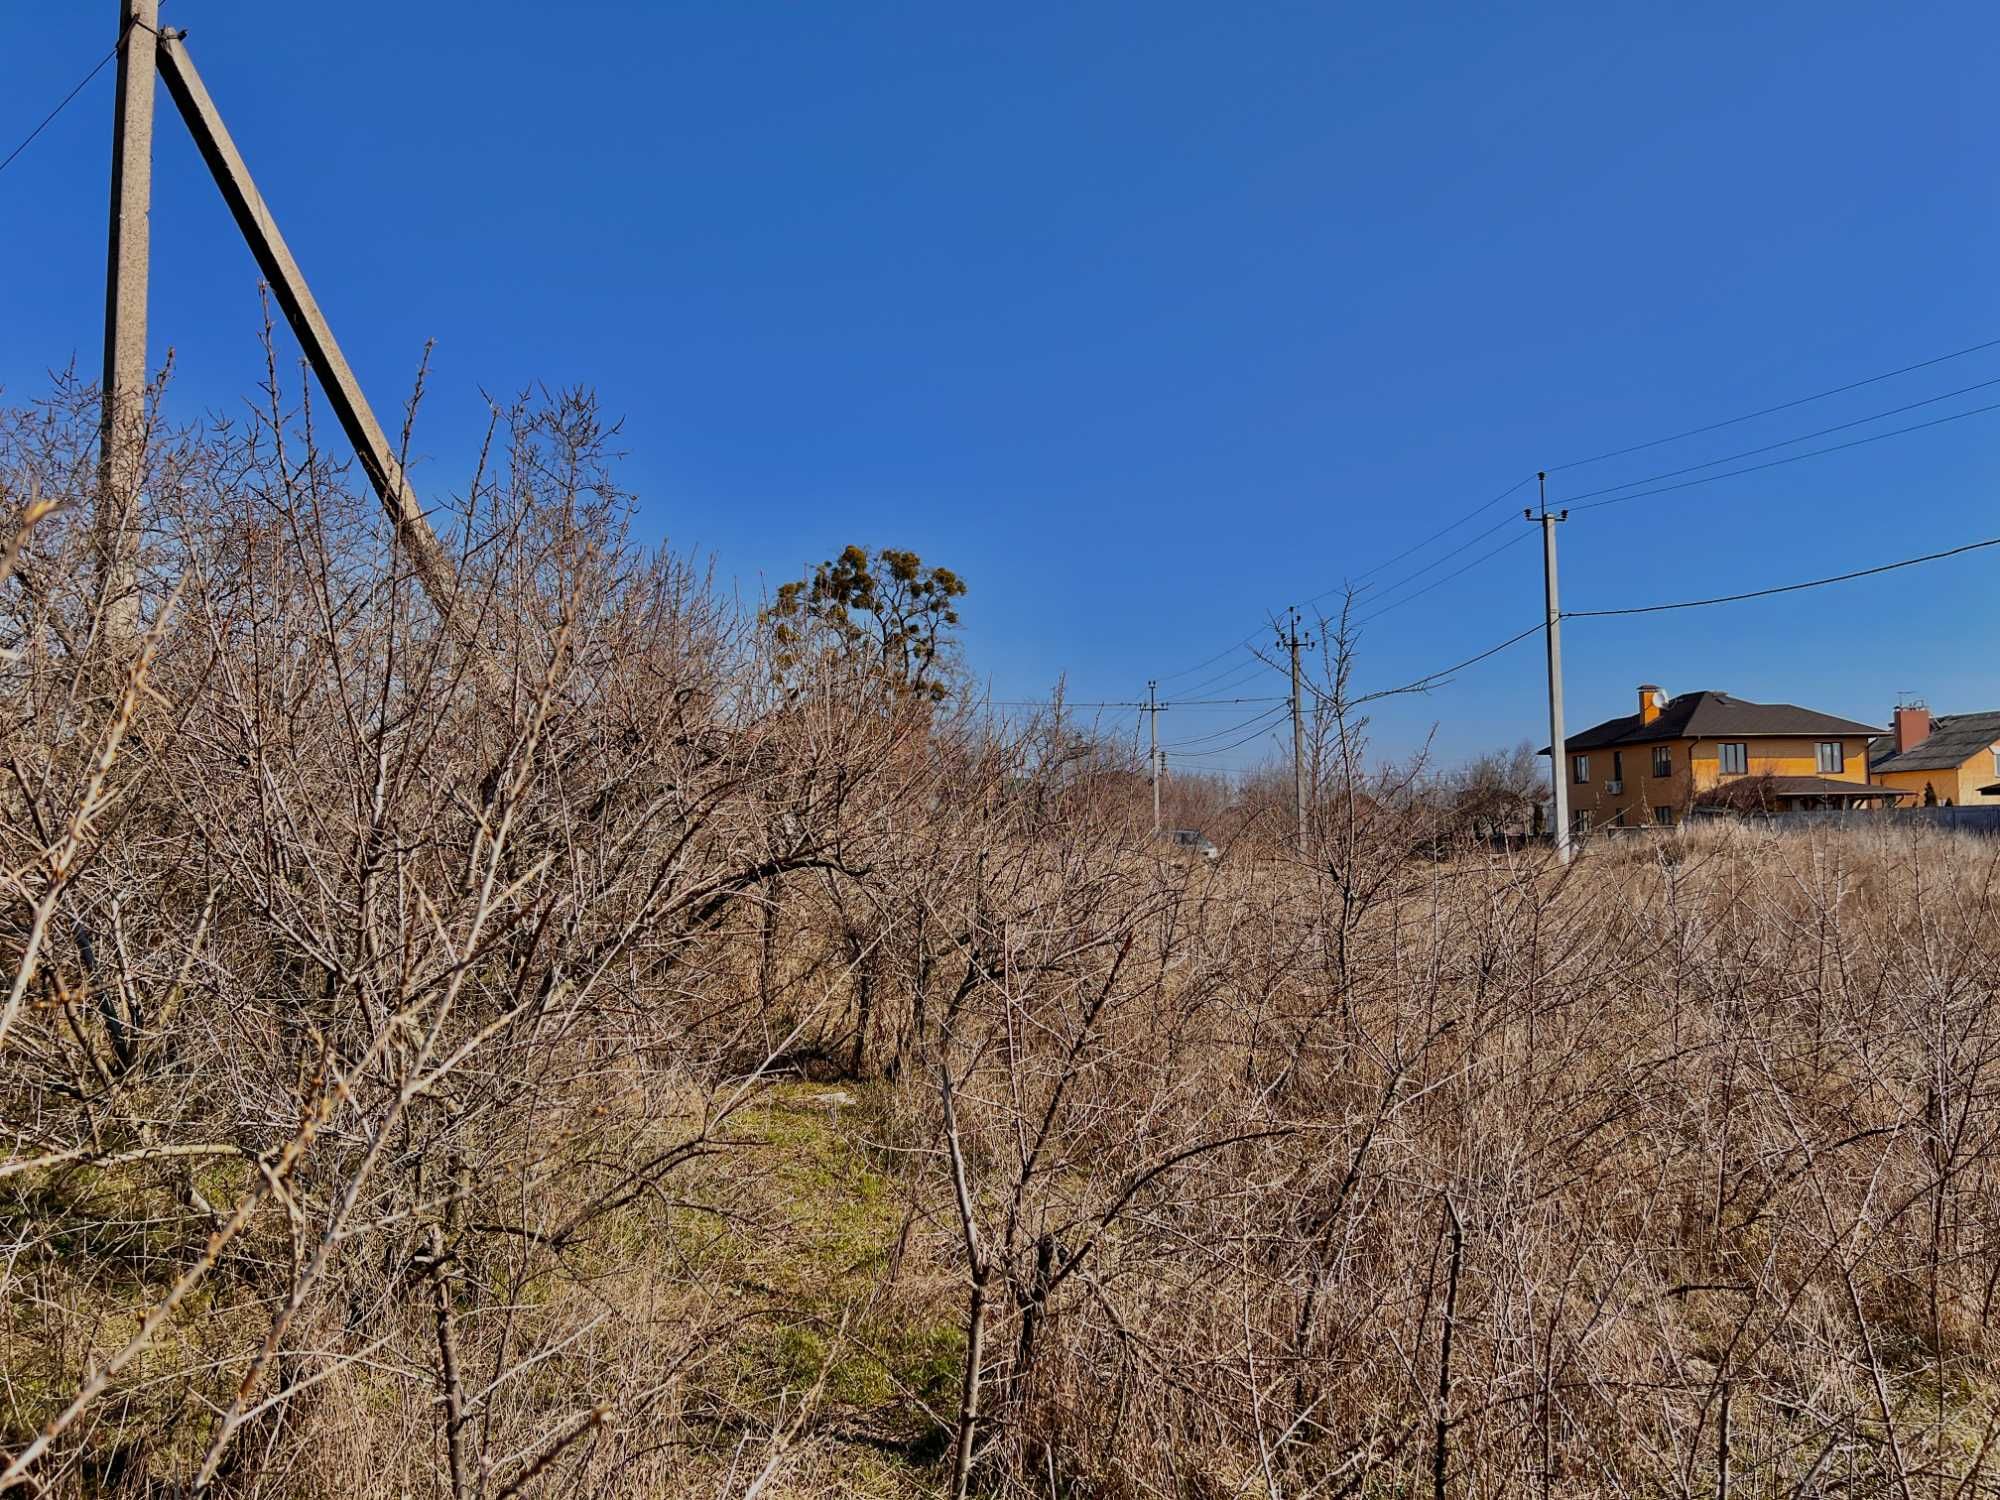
x=644, y=1079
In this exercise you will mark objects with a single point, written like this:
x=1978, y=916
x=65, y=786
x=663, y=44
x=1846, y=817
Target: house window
x=1734, y=758
x=1832, y=757
x=1579, y=821
x=1663, y=760
x=1579, y=768
x=1996, y=760
x=1617, y=765
x=1664, y=816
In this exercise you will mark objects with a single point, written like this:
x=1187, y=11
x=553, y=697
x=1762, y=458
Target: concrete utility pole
x=1558, y=756
x=1291, y=640
x=288, y=284
x=1153, y=757
x=121, y=436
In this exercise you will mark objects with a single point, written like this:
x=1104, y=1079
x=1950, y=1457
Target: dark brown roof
x=1826, y=786
x=1711, y=715
x=1954, y=739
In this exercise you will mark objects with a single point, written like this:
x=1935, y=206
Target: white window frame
x=1723, y=757
x=1579, y=822
x=1579, y=769
x=1830, y=750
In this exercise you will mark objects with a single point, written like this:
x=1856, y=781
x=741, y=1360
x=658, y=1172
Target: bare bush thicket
x=613, y=1066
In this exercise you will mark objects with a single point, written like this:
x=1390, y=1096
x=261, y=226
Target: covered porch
x=1823, y=793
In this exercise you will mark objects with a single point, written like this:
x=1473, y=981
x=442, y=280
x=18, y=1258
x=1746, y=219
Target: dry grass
x=412, y=1092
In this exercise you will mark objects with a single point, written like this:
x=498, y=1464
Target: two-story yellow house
x=1650, y=766
x=1950, y=760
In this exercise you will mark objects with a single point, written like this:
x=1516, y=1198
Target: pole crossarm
x=309, y=325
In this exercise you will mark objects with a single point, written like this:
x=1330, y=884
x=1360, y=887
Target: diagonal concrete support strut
x=433, y=566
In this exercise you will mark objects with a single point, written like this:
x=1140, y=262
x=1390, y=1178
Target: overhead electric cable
x=1432, y=679
x=1438, y=562
x=1766, y=411
x=1804, y=437
x=1477, y=510
x=1786, y=588
x=1189, y=671
x=1257, y=733
x=1751, y=416
x=1576, y=463
x=1269, y=716
x=49, y=118
x=1612, y=498
x=1056, y=703
x=1131, y=703
x=1667, y=489
x=1234, y=677
x=1441, y=582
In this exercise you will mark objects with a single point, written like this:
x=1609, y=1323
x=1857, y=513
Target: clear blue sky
x=1146, y=319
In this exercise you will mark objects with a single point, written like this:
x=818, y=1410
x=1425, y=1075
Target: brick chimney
x=1913, y=727
x=1650, y=701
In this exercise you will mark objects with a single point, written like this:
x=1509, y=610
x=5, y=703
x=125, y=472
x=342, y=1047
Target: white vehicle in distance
x=1194, y=841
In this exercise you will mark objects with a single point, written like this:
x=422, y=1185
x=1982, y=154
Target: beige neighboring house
x=1945, y=759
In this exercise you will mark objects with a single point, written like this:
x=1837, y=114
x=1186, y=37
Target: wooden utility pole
x=1291, y=640
x=122, y=420
x=1558, y=756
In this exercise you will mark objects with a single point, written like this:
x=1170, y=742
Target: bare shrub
x=579, y=1052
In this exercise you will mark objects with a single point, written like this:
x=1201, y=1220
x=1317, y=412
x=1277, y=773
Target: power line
x=1257, y=733
x=1056, y=703
x=1666, y=489
x=1213, y=703
x=1477, y=510
x=1407, y=578
x=1766, y=411
x=1211, y=661
x=1577, y=463
x=1751, y=416
x=1441, y=582
x=1787, y=588
x=1435, y=679
x=1268, y=717
x=1265, y=722
x=1437, y=562
x=1804, y=437
x=1464, y=546
x=1233, y=677
x=1657, y=442
x=1431, y=680
x=1132, y=703
x=29, y=139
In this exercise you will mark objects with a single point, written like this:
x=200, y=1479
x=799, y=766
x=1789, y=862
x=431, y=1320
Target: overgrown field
x=575, y=1039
